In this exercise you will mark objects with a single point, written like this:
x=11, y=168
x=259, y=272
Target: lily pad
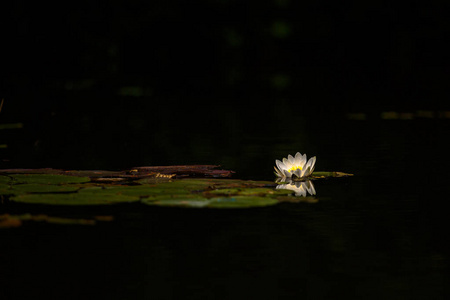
x=42, y=188
x=196, y=184
x=263, y=192
x=6, y=189
x=250, y=192
x=189, y=184
x=241, y=202
x=177, y=200
x=48, y=179
x=139, y=190
x=321, y=174
x=59, y=189
x=216, y=202
x=74, y=199
x=4, y=179
x=225, y=191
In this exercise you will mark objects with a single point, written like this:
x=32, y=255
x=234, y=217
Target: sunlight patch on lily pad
x=177, y=200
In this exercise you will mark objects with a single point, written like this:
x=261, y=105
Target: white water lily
x=301, y=188
x=295, y=167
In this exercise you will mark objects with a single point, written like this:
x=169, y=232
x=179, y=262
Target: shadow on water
x=375, y=235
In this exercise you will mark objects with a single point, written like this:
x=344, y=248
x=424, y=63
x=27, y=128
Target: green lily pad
x=250, y=192
x=48, y=179
x=210, y=184
x=41, y=188
x=321, y=174
x=262, y=192
x=187, y=184
x=4, y=179
x=106, y=190
x=246, y=184
x=56, y=189
x=225, y=191
x=181, y=186
x=177, y=200
x=138, y=190
x=241, y=202
x=74, y=199
x=6, y=189
x=216, y=202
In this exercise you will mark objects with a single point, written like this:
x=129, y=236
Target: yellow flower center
x=294, y=168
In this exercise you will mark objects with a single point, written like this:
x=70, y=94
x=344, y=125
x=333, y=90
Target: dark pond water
x=378, y=235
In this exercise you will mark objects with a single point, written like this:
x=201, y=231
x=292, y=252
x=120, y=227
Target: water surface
x=377, y=235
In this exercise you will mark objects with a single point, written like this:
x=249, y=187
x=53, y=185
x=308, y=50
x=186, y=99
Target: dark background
x=117, y=84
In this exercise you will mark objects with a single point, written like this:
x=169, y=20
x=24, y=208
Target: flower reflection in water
x=301, y=188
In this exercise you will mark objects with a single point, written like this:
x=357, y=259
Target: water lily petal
x=280, y=165
x=304, y=158
x=278, y=172
x=301, y=161
x=311, y=163
x=298, y=156
x=298, y=159
x=291, y=159
x=306, y=172
x=287, y=163
x=287, y=173
x=312, y=169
